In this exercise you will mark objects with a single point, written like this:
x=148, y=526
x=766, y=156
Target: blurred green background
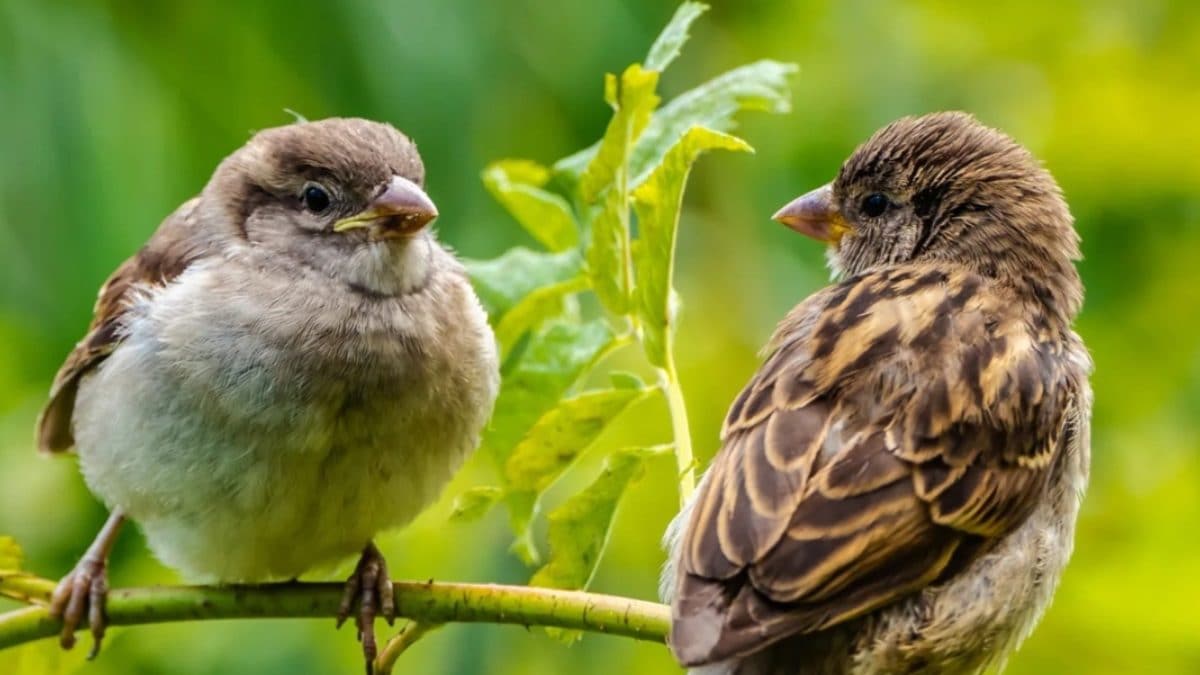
x=112, y=113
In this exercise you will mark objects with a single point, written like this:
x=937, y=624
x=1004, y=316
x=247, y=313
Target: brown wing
x=905, y=420
x=175, y=245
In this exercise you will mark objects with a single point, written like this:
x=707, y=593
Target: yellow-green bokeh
x=113, y=112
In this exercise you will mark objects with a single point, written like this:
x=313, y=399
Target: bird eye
x=316, y=199
x=874, y=205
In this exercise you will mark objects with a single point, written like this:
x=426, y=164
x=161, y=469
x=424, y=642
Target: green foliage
x=551, y=446
x=658, y=202
x=542, y=423
x=561, y=434
x=670, y=41
x=633, y=100
x=579, y=529
x=10, y=554
x=759, y=86
x=523, y=288
x=503, y=282
x=553, y=360
x=517, y=184
x=473, y=503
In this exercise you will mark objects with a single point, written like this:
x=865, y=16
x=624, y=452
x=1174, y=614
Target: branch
x=407, y=637
x=428, y=603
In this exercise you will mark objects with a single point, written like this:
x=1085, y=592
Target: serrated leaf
x=474, y=503
x=562, y=434
x=608, y=258
x=11, y=554
x=538, y=306
x=504, y=281
x=760, y=86
x=658, y=202
x=633, y=100
x=553, y=360
x=672, y=38
x=580, y=527
x=547, y=217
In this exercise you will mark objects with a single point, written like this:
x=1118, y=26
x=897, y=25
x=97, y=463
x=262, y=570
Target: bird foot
x=371, y=586
x=82, y=593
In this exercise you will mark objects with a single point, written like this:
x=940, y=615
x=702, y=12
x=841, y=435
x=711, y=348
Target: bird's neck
x=391, y=267
x=1039, y=275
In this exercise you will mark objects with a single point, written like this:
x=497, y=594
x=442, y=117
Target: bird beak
x=400, y=208
x=815, y=215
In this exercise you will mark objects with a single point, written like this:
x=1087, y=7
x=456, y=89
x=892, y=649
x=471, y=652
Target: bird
x=290, y=365
x=898, y=485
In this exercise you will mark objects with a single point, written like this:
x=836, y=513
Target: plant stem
x=429, y=603
x=407, y=637
x=26, y=588
x=685, y=461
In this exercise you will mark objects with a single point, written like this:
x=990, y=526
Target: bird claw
x=83, y=591
x=371, y=586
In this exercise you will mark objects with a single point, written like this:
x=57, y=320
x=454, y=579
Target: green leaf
x=523, y=507
x=517, y=185
x=503, y=282
x=562, y=434
x=552, y=361
x=625, y=380
x=608, y=256
x=535, y=308
x=666, y=47
x=11, y=554
x=761, y=86
x=658, y=202
x=633, y=101
x=474, y=503
x=580, y=527
x=520, y=171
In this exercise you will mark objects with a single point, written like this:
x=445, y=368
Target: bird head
x=944, y=187
x=343, y=195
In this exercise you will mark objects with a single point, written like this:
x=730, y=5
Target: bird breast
x=283, y=420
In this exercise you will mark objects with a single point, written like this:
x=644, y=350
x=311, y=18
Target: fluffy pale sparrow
x=899, y=483
x=290, y=365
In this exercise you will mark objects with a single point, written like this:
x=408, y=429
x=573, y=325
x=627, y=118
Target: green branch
x=428, y=603
x=400, y=642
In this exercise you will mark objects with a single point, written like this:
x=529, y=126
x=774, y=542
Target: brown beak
x=815, y=215
x=401, y=207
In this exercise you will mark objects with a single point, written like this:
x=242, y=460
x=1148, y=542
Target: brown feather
x=855, y=464
x=174, y=246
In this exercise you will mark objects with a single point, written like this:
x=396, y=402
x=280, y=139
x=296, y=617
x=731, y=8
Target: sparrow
x=898, y=484
x=289, y=366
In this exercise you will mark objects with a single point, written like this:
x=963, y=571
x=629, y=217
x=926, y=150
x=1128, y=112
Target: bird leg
x=85, y=589
x=372, y=587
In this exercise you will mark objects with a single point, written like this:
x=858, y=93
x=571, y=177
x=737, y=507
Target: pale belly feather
x=248, y=453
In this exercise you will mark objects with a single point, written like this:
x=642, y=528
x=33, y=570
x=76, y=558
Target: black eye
x=316, y=199
x=874, y=205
